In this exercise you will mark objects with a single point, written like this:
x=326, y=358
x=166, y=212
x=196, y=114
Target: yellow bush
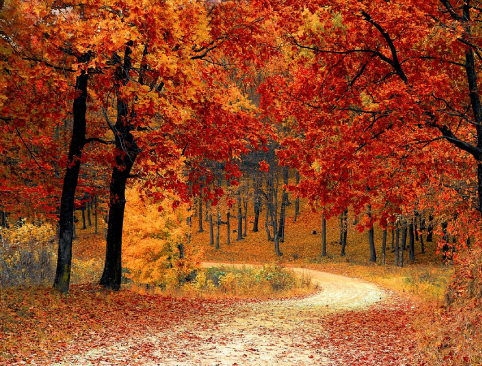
x=157, y=249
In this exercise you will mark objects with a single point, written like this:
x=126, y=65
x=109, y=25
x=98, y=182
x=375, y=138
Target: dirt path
x=281, y=332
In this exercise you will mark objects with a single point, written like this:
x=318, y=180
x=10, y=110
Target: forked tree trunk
x=127, y=151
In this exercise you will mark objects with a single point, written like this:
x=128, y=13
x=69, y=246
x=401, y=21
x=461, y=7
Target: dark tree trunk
x=127, y=151
x=267, y=223
x=404, y=241
x=384, y=246
x=393, y=238
x=411, y=243
x=83, y=218
x=284, y=203
x=422, y=229
x=257, y=208
x=211, y=229
x=415, y=225
x=95, y=215
x=274, y=214
x=71, y=178
x=341, y=229
x=245, y=216
x=430, y=229
x=240, y=218
x=323, y=236
x=371, y=239
x=89, y=204
x=297, y=200
x=228, y=225
x=344, y=232
x=218, y=226
x=397, y=244
x=206, y=216
x=200, y=214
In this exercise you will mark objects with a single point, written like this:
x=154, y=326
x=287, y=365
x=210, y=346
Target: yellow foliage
x=157, y=247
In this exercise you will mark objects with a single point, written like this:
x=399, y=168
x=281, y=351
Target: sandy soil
x=281, y=332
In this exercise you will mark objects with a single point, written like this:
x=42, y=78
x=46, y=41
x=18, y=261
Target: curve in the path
x=275, y=332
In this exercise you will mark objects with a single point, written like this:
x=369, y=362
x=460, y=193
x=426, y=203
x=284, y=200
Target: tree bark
x=344, y=231
x=257, y=207
x=95, y=215
x=323, y=236
x=228, y=225
x=297, y=200
x=397, y=244
x=71, y=178
x=200, y=214
x=211, y=229
x=127, y=151
x=404, y=241
x=89, y=204
x=284, y=203
x=371, y=239
x=240, y=218
x=384, y=246
x=411, y=243
x=218, y=226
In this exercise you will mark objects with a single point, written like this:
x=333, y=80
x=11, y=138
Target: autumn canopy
x=374, y=104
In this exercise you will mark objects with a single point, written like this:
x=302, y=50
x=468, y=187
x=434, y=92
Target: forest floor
x=347, y=322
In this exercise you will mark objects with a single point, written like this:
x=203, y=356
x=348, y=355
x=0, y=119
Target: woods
x=234, y=119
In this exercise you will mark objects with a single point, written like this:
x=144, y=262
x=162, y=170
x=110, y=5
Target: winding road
x=275, y=332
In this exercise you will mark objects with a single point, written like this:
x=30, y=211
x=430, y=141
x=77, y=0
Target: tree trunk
x=228, y=225
x=297, y=200
x=257, y=208
x=384, y=246
x=274, y=214
x=430, y=229
x=245, y=205
x=89, y=204
x=344, y=232
x=404, y=241
x=83, y=218
x=71, y=178
x=323, y=236
x=397, y=244
x=95, y=215
x=240, y=218
x=218, y=226
x=371, y=239
x=284, y=203
x=411, y=243
x=200, y=214
x=211, y=229
x=267, y=223
x=127, y=151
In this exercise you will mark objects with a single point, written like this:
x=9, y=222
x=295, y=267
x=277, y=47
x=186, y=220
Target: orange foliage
x=157, y=248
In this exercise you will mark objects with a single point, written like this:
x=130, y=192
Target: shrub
x=271, y=279
x=27, y=255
